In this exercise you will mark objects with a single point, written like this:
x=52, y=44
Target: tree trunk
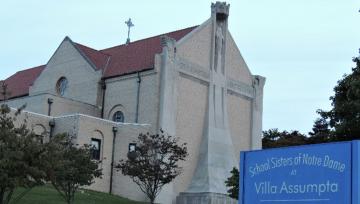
x=2, y=196
x=4, y=199
x=152, y=200
x=8, y=196
x=70, y=200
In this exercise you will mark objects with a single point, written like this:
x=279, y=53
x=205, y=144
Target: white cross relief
x=216, y=150
x=218, y=82
x=201, y=73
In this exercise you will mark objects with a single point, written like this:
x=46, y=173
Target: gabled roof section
x=99, y=59
x=116, y=61
x=19, y=83
x=137, y=56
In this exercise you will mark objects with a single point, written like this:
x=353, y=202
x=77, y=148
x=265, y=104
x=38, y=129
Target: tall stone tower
x=216, y=155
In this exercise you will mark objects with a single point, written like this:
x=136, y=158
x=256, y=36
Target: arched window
x=97, y=146
x=95, y=149
x=61, y=86
x=118, y=117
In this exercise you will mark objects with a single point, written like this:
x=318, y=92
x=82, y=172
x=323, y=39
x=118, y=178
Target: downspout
x=114, y=129
x=103, y=87
x=52, y=125
x=138, y=98
x=50, y=101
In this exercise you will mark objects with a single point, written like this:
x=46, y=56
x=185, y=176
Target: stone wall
x=239, y=110
x=239, y=106
x=121, y=94
x=37, y=123
x=191, y=113
x=60, y=106
x=196, y=46
x=235, y=65
x=36, y=104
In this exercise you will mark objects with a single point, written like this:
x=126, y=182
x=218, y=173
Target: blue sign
x=312, y=174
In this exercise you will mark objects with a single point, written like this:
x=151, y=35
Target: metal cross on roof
x=129, y=24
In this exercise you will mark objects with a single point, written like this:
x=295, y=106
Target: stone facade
x=60, y=105
x=121, y=94
x=199, y=89
x=67, y=59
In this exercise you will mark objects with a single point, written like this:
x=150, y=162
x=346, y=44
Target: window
x=95, y=149
x=118, y=117
x=132, y=147
x=61, y=86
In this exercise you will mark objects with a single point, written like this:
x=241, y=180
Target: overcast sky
x=302, y=47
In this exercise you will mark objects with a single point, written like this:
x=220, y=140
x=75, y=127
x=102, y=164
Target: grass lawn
x=48, y=195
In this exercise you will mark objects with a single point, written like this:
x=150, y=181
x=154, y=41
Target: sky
x=302, y=47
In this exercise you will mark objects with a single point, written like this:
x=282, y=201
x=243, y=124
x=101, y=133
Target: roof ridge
x=91, y=53
x=23, y=70
x=191, y=27
x=106, y=65
x=92, y=49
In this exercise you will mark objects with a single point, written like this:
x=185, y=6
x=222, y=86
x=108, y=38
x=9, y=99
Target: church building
x=193, y=83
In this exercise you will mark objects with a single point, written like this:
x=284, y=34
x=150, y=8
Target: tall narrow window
x=95, y=149
x=118, y=117
x=61, y=86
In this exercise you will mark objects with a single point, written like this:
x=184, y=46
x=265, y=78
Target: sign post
x=312, y=174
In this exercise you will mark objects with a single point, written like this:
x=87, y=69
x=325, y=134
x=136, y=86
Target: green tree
x=21, y=154
x=154, y=162
x=233, y=184
x=274, y=138
x=69, y=166
x=344, y=117
x=321, y=132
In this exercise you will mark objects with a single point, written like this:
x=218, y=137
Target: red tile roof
x=19, y=83
x=115, y=61
x=97, y=58
x=138, y=55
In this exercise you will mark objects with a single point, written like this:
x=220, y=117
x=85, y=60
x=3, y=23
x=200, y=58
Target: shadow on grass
x=48, y=195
